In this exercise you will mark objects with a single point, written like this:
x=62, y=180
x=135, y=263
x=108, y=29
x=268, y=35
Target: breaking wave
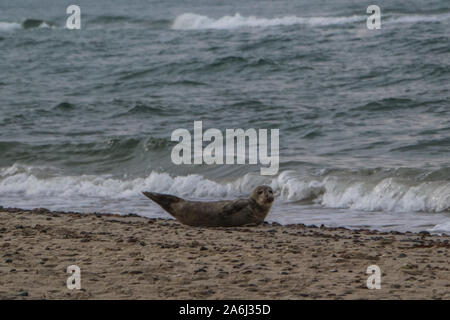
x=192, y=21
x=26, y=24
x=444, y=17
x=9, y=26
x=391, y=194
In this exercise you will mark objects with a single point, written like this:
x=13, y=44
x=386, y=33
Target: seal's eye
x=260, y=192
x=270, y=191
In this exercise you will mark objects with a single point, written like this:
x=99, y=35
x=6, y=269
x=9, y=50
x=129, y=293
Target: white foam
x=441, y=228
x=388, y=194
x=45, y=25
x=31, y=181
x=9, y=26
x=445, y=17
x=192, y=21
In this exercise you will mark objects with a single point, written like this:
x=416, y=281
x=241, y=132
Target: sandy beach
x=130, y=257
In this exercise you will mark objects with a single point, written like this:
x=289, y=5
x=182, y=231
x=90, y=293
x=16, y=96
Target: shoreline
x=134, y=257
x=266, y=223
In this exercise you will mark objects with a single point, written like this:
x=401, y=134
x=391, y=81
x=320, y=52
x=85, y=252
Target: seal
x=227, y=213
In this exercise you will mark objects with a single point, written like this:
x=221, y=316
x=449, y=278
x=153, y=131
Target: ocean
x=86, y=116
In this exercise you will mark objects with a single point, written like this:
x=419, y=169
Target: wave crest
x=391, y=194
x=192, y=21
x=26, y=24
x=9, y=26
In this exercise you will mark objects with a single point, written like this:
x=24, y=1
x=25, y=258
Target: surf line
x=233, y=151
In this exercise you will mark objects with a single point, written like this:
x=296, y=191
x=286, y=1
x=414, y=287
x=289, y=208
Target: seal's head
x=263, y=195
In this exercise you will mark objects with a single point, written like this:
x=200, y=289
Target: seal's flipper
x=235, y=206
x=164, y=200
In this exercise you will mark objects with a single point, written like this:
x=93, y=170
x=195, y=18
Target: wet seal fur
x=227, y=213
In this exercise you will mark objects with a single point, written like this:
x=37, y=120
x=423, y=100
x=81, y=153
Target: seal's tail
x=164, y=200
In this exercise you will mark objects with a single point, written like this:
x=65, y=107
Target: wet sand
x=130, y=257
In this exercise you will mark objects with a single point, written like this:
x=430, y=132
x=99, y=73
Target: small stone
x=402, y=255
x=136, y=272
x=23, y=294
x=203, y=269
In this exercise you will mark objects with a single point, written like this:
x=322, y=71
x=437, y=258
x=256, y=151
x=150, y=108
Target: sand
x=130, y=257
